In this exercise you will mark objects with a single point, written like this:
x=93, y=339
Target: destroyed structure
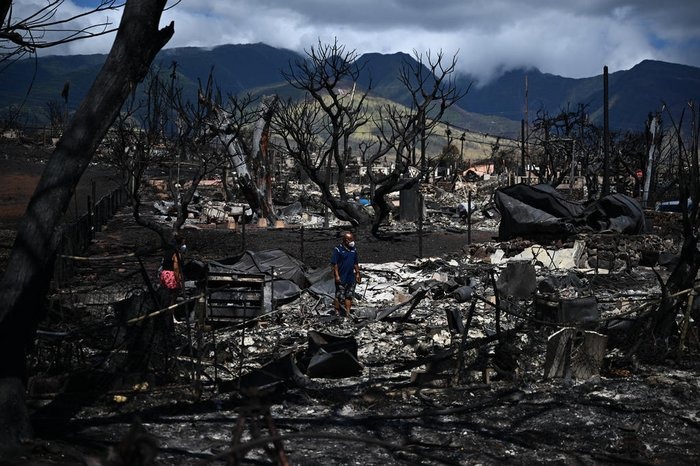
x=514, y=349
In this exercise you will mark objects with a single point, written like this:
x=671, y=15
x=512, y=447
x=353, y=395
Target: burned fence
x=76, y=236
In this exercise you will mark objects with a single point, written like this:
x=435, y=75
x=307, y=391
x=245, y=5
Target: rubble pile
x=454, y=359
x=498, y=351
x=300, y=204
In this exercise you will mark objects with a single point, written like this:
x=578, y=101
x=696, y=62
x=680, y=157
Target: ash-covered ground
x=112, y=383
x=425, y=395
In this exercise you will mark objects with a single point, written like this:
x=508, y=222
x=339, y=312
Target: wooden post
x=685, y=323
x=463, y=343
x=497, y=305
x=574, y=353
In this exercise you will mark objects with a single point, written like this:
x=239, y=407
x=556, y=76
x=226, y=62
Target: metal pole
x=95, y=215
x=243, y=222
x=420, y=225
x=272, y=289
x=241, y=352
x=91, y=220
x=301, y=246
x=329, y=180
x=469, y=218
x=94, y=192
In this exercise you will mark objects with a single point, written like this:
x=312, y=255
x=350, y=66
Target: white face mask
x=183, y=248
x=351, y=244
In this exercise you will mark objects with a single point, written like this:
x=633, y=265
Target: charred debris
x=536, y=345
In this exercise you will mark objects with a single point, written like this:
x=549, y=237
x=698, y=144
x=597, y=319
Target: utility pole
x=549, y=163
x=526, y=128
x=522, y=147
x=573, y=167
x=584, y=163
x=606, y=135
x=448, y=132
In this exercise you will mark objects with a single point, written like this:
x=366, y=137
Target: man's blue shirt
x=346, y=260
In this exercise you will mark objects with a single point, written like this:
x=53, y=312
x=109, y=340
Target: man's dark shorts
x=343, y=291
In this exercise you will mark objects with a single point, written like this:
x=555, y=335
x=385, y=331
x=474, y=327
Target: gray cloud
x=573, y=38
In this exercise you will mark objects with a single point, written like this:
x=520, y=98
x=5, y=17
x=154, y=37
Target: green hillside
x=494, y=108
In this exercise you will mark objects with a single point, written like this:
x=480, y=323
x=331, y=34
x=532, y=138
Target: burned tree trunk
x=253, y=195
x=26, y=279
x=682, y=278
x=683, y=275
x=382, y=208
x=261, y=143
x=574, y=353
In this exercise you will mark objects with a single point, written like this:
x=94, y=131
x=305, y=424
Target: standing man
x=346, y=271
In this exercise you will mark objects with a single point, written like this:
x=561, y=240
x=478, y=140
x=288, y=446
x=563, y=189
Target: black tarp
x=286, y=267
x=273, y=376
x=616, y=212
x=291, y=275
x=326, y=356
x=322, y=282
x=534, y=211
x=330, y=356
x=527, y=210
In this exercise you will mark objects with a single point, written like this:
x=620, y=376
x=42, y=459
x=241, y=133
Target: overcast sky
x=573, y=38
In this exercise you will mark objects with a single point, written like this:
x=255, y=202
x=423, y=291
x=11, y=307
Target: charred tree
x=165, y=129
x=21, y=36
x=26, y=280
x=227, y=130
x=432, y=89
x=661, y=324
x=134, y=147
x=683, y=276
x=316, y=130
x=261, y=155
x=563, y=138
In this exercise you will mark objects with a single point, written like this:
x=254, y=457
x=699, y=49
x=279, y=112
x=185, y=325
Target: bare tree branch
x=432, y=89
x=27, y=34
x=318, y=130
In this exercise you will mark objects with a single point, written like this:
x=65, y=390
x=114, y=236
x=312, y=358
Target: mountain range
x=496, y=107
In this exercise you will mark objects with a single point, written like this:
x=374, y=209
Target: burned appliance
x=234, y=296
